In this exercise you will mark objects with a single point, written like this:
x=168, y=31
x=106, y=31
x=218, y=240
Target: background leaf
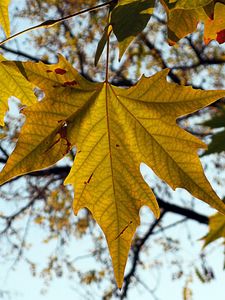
x=4, y=16
x=215, y=25
x=180, y=23
x=217, y=143
x=128, y=19
x=190, y=4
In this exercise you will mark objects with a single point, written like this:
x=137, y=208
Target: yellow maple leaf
x=13, y=83
x=114, y=130
x=4, y=16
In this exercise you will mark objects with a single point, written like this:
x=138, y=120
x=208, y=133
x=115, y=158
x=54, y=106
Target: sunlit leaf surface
x=114, y=130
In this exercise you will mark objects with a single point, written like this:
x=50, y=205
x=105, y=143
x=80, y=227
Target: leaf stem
x=107, y=51
x=50, y=23
x=107, y=61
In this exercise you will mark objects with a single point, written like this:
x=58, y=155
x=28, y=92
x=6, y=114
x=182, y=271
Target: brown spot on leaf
x=22, y=109
x=221, y=36
x=117, y=145
x=62, y=135
x=60, y=71
x=49, y=71
x=69, y=83
x=125, y=228
x=89, y=179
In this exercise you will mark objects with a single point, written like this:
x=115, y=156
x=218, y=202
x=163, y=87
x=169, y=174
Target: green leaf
x=217, y=143
x=217, y=121
x=102, y=43
x=128, y=19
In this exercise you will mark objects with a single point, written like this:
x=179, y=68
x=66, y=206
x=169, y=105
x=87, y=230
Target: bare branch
x=136, y=255
x=24, y=54
x=50, y=23
x=190, y=214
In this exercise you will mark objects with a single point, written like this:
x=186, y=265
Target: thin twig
x=170, y=226
x=107, y=53
x=4, y=152
x=53, y=22
x=136, y=255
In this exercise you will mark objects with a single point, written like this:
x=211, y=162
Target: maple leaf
x=216, y=229
x=13, y=83
x=184, y=16
x=4, y=16
x=114, y=130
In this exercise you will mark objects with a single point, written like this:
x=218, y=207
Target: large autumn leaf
x=13, y=83
x=4, y=16
x=114, y=130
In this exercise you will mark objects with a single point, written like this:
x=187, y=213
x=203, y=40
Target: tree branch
x=136, y=255
x=23, y=54
x=173, y=208
x=201, y=59
x=53, y=22
x=190, y=214
x=63, y=171
x=166, y=207
x=150, y=46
